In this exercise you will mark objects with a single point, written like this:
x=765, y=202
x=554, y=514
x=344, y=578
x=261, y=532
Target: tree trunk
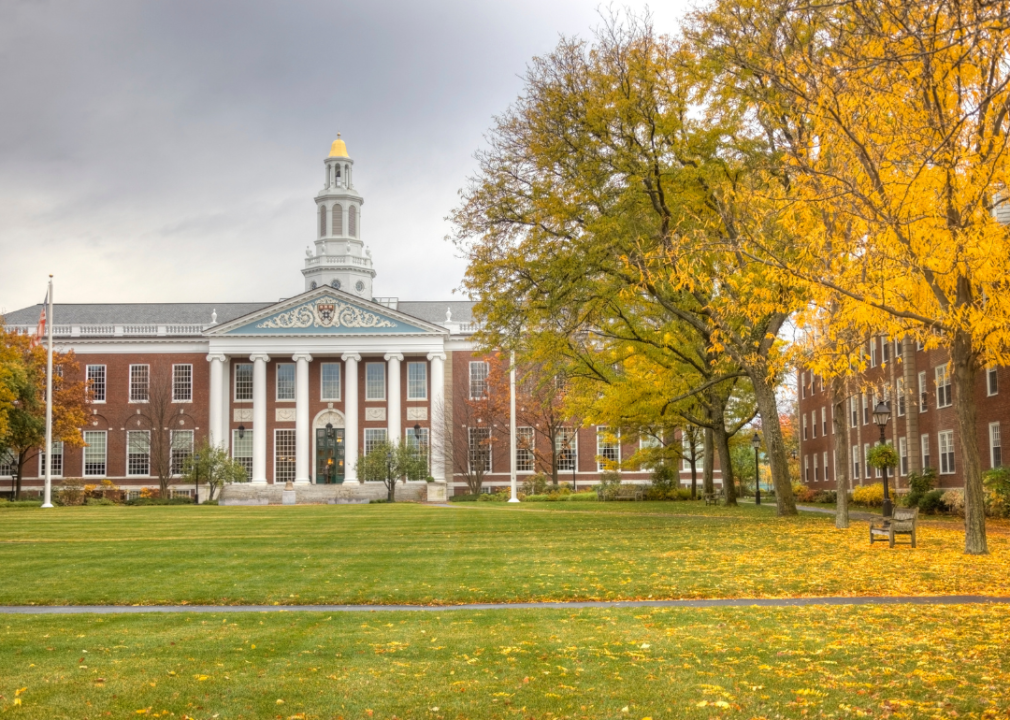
x=694, y=477
x=911, y=379
x=839, y=423
x=775, y=446
x=708, y=466
x=964, y=360
x=721, y=439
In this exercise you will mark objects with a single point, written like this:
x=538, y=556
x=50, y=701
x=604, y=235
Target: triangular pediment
x=326, y=311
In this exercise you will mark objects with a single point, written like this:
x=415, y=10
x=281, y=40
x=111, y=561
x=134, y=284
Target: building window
x=866, y=464
x=826, y=478
x=942, y=386
x=373, y=437
x=524, y=450
x=284, y=456
x=140, y=383
x=352, y=221
x=866, y=409
x=338, y=220
x=480, y=449
x=375, y=381
x=903, y=455
x=242, y=449
x=995, y=447
x=992, y=381
x=417, y=381
x=418, y=441
x=285, y=381
x=8, y=464
x=885, y=350
x=855, y=462
x=478, y=380
x=96, y=380
x=817, y=469
x=57, y=469
x=824, y=421
x=899, y=390
x=182, y=449
x=813, y=423
x=94, y=453
x=946, y=442
x=803, y=385
x=322, y=221
x=138, y=453
x=804, y=427
x=243, y=382
x=330, y=381
x=926, y=460
x=182, y=383
x=567, y=448
x=854, y=411
x=873, y=352
x=806, y=468
x=608, y=449
x=923, y=397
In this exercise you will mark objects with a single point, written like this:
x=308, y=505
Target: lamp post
x=881, y=414
x=196, y=478
x=755, y=443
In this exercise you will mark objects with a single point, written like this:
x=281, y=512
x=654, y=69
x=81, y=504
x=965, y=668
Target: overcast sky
x=170, y=151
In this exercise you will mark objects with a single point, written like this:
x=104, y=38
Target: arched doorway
x=328, y=447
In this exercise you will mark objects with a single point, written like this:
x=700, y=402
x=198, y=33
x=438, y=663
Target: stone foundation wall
x=351, y=492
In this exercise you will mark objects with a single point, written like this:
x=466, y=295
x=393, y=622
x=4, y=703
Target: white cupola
x=340, y=259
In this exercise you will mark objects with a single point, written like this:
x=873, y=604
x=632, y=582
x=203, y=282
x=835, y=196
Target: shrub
x=538, y=498
x=99, y=501
x=583, y=496
x=71, y=492
x=953, y=500
x=665, y=478
x=869, y=495
x=920, y=483
x=931, y=502
x=464, y=497
x=142, y=501
x=610, y=484
x=5, y=503
x=799, y=489
x=535, y=484
x=881, y=456
x=824, y=496
x=997, y=485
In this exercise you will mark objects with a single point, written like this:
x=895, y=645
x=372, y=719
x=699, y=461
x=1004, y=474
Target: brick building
x=296, y=389
x=916, y=383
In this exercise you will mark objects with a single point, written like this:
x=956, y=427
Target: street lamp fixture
x=241, y=431
x=881, y=414
x=755, y=442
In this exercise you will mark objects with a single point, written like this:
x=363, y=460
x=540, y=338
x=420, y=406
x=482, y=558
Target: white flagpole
x=512, y=425
x=48, y=502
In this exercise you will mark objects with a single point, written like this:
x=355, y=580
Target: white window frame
x=104, y=382
x=854, y=411
x=602, y=447
x=855, y=463
x=903, y=455
x=8, y=464
x=415, y=384
x=242, y=450
x=991, y=382
x=806, y=469
x=239, y=368
x=182, y=445
x=525, y=457
x=995, y=446
x=945, y=445
x=137, y=385
x=287, y=369
x=923, y=393
x=55, y=472
x=803, y=385
x=105, y=453
x=941, y=377
x=332, y=366
x=186, y=385
x=826, y=478
x=478, y=379
x=565, y=463
x=924, y=456
x=899, y=391
x=373, y=436
x=479, y=432
x=885, y=350
x=873, y=352
x=285, y=467
x=817, y=469
x=866, y=410
x=370, y=381
x=824, y=420
x=130, y=435
x=866, y=461
x=804, y=426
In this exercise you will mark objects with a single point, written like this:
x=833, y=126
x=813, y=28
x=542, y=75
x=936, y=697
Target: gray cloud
x=170, y=151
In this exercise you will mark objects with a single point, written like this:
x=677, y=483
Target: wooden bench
x=902, y=522
x=624, y=492
x=711, y=498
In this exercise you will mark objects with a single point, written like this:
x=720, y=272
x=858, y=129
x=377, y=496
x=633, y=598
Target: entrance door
x=329, y=456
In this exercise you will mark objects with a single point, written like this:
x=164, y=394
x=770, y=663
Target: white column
x=436, y=408
x=351, y=361
x=216, y=380
x=226, y=404
x=393, y=431
x=302, y=445
x=259, y=473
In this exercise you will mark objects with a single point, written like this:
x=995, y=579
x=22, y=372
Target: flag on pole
x=40, y=331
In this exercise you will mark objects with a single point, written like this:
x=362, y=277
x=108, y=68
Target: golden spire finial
x=339, y=148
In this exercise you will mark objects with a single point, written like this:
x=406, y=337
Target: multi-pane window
x=285, y=381
x=991, y=381
x=995, y=446
x=803, y=385
x=284, y=456
x=567, y=448
x=885, y=350
x=873, y=352
x=899, y=390
x=8, y=464
x=138, y=452
x=813, y=423
x=806, y=468
x=242, y=449
x=903, y=455
x=373, y=437
x=182, y=449
x=946, y=442
x=480, y=449
x=926, y=460
x=94, y=453
x=855, y=462
x=140, y=383
x=942, y=386
x=478, y=380
x=418, y=440
x=524, y=449
x=804, y=427
x=866, y=460
x=826, y=478
x=96, y=381
x=608, y=449
x=853, y=411
x=57, y=469
x=923, y=393
x=417, y=381
x=243, y=381
x=330, y=381
x=375, y=381
x=824, y=420
x=182, y=383
x=817, y=469
x=866, y=408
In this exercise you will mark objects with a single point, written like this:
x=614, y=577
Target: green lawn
x=478, y=552
x=899, y=661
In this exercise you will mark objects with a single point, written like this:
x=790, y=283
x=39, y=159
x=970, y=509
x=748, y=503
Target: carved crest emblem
x=326, y=312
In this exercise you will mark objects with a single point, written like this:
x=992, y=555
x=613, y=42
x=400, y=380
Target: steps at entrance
x=350, y=492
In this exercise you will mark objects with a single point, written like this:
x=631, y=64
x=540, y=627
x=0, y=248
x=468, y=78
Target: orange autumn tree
x=894, y=116
x=25, y=435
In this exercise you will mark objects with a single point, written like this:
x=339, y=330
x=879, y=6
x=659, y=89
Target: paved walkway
x=575, y=605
